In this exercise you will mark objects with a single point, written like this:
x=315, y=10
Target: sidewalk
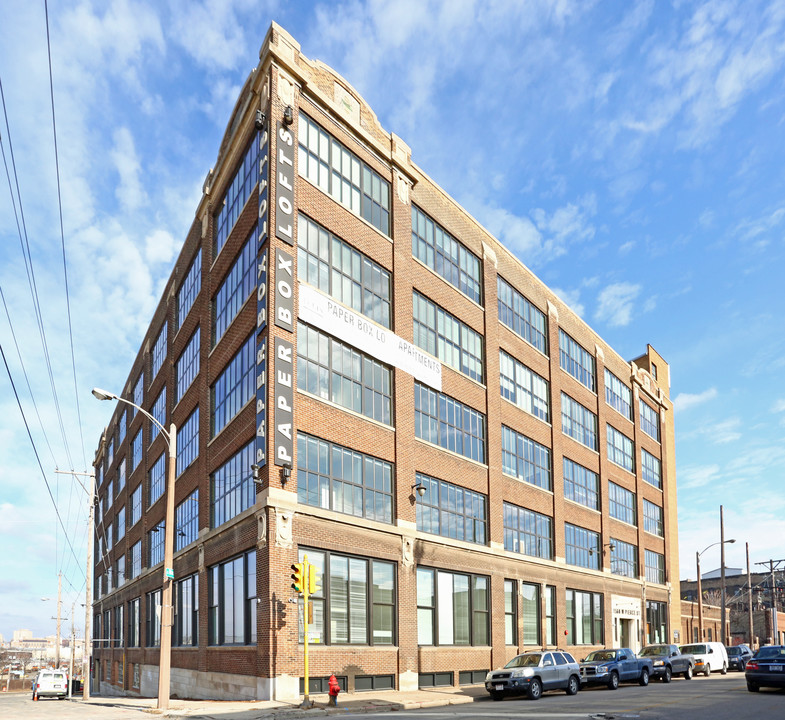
x=365, y=702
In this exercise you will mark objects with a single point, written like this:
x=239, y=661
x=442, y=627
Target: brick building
x=472, y=469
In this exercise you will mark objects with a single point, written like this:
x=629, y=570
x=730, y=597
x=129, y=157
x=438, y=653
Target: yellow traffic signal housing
x=313, y=579
x=297, y=577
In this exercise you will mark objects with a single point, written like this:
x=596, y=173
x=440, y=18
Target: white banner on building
x=321, y=311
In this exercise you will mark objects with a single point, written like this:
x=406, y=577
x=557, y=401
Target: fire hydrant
x=333, y=691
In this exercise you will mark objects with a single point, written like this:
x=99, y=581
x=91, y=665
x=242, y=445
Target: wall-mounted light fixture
x=260, y=120
x=286, y=473
x=419, y=488
x=288, y=115
x=256, y=474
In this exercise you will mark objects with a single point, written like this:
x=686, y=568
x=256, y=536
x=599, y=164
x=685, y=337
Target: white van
x=50, y=683
x=709, y=657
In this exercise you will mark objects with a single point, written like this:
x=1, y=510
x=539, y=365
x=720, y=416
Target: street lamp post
x=700, y=593
x=165, y=659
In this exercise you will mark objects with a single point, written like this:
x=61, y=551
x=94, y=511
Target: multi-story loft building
x=471, y=468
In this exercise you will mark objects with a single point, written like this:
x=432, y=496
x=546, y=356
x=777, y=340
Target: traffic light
x=313, y=579
x=297, y=577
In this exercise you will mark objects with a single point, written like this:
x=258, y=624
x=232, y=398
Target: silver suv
x=534, y=672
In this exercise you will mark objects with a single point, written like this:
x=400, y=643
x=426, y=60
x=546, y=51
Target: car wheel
x=613, y=681
x=495, y=695
x=572, y=685
x=752, y=687
x=724, y=670
x=666, y=678
x=688, y=673
x=644, y=678
x=535, y=689
x=707, y=671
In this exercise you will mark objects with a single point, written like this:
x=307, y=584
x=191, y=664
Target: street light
x=165, y=659
x=700, y=593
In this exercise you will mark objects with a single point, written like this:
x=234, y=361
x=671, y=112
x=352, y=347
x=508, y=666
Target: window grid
x=231, y=599
x=624, y=558
x=190, y=288
x=152, y=619
x=577, y=361
x=232, y=488
x=578, y=422
x=510, y=612
x=188, y=365
x=651, y=470
x=655, y=567
x=581, y=485
x=157, y=478
x=518, y=314
x=650, y=421
x=527, y=532
x=120, y=525
x=120, y=477
x=159, y=351
x=582, y=547
x=136, y=506
x=526, y=459
x=337, y=269
x=159, y=413
x=110, y=453
x=619, y=448
x=342, y=175
x=237, y=286
x=134, y=621
x=135, y=564
x=448, y=423
x=122, y=426
x=584, y=618
x=618, y=395
x=622, y=504
x=334, y=371
x=523, y=387
x=343, y=480
x=188, y=441
x=186, y=612
x=652, y=519
x=441, y=334
x=450, y=510
x=186, y=521
x=237, y=193
x=136, y=451
x=530, y=594
x=155, y=541
x=139, y=391
x=234, y=387
x=436, y=248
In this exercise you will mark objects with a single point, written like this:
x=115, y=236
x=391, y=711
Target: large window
x=188, y=365
x=344, y=480
x=530, y=594
x=117, y=625
x=510, y=612
x=232, y=488
x=527, y=532
x=445, y=422
x=234, y=387
x=139, y=390
x=452, y=608
x=136, y=506
x=436, y=248
x=438, y=332
x=120, y=477
x=159, y=351
x=356, y=603
x=655, y=567
x=237, y=193
x=337, y=372
x=651, y=470
x=656, y=622
x=122, y=426
x=189, y=289
x=236, y=288
x=624, y=558
x=136, y=451
x=159, y=413
x=584, y=618
x=582, y=547
x=120, y=525
x=524, y=387
x=652, y=518
x=186, y=611
x=577, y=361
x=157, y=478
x=135, y=564
x=186, y=521
x=134, y=622
x=526, y=459
x=518, y=314
x=451, y=511
x=337, y=269
x=650, y=421
x=581, y=485
x=188, y=441
x=153, y=619
x=119, y=571
x=622, y=504
x=619, y=448
x=618, y=395
x=155, y=544
x=550, y=615
x=342, y=175
x=231, y=599
x=578, y=422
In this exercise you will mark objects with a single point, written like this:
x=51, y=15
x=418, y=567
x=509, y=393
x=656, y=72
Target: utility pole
x=749, y=596
x=773, y=565
x=722, y=579
x=72, y=647
x=59, y=602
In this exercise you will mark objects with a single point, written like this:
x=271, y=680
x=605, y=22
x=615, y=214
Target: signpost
x=305, y=582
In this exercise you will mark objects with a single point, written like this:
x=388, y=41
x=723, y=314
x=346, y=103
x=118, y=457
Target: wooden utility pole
x=749, y=597
x=59, y=601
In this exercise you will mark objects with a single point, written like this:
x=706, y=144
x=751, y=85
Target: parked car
x=534, y=672
x=50, y=683
x=738, y=655
x=766, y=668
x=612, y=666
x=668, y=661
x=709, y=656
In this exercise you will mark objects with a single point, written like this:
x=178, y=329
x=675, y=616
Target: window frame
x=614, y=397
x=521, y=388
x=521, y=316
x=574, y=359
x=451, y=503
x=517, y=532
x=622, y=504
x=578, y=488
x=577, y=421
x=616, y=444
x=579, y=553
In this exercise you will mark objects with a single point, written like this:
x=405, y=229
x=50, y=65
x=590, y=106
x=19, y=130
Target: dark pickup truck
x=668, y=661
x=610, y=667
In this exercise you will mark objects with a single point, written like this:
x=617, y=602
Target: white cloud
x=615, y=303
x=779, y=406
x=572, y=298
x=685, y=401
x=130, y=191
x=696, y=476
x=726, y=431
x=161, y=247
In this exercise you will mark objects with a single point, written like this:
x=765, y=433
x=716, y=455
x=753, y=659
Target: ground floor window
x=510, y=612
x=153, y=619
x=531, y=613
x=656, y=622
x=134, y=620
x=186, y=611
x=584, y=618
x=231, y=611
x=550, y=615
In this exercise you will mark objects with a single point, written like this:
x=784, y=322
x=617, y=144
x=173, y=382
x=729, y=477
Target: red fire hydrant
x=333, y=691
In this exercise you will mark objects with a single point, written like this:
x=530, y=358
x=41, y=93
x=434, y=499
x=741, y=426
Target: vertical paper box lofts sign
x=262, y=256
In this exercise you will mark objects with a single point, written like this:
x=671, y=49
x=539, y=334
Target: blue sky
x=630, y=153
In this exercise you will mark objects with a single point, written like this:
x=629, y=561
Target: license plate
x=500, y=687
x=57, y=687
x=775, y=668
